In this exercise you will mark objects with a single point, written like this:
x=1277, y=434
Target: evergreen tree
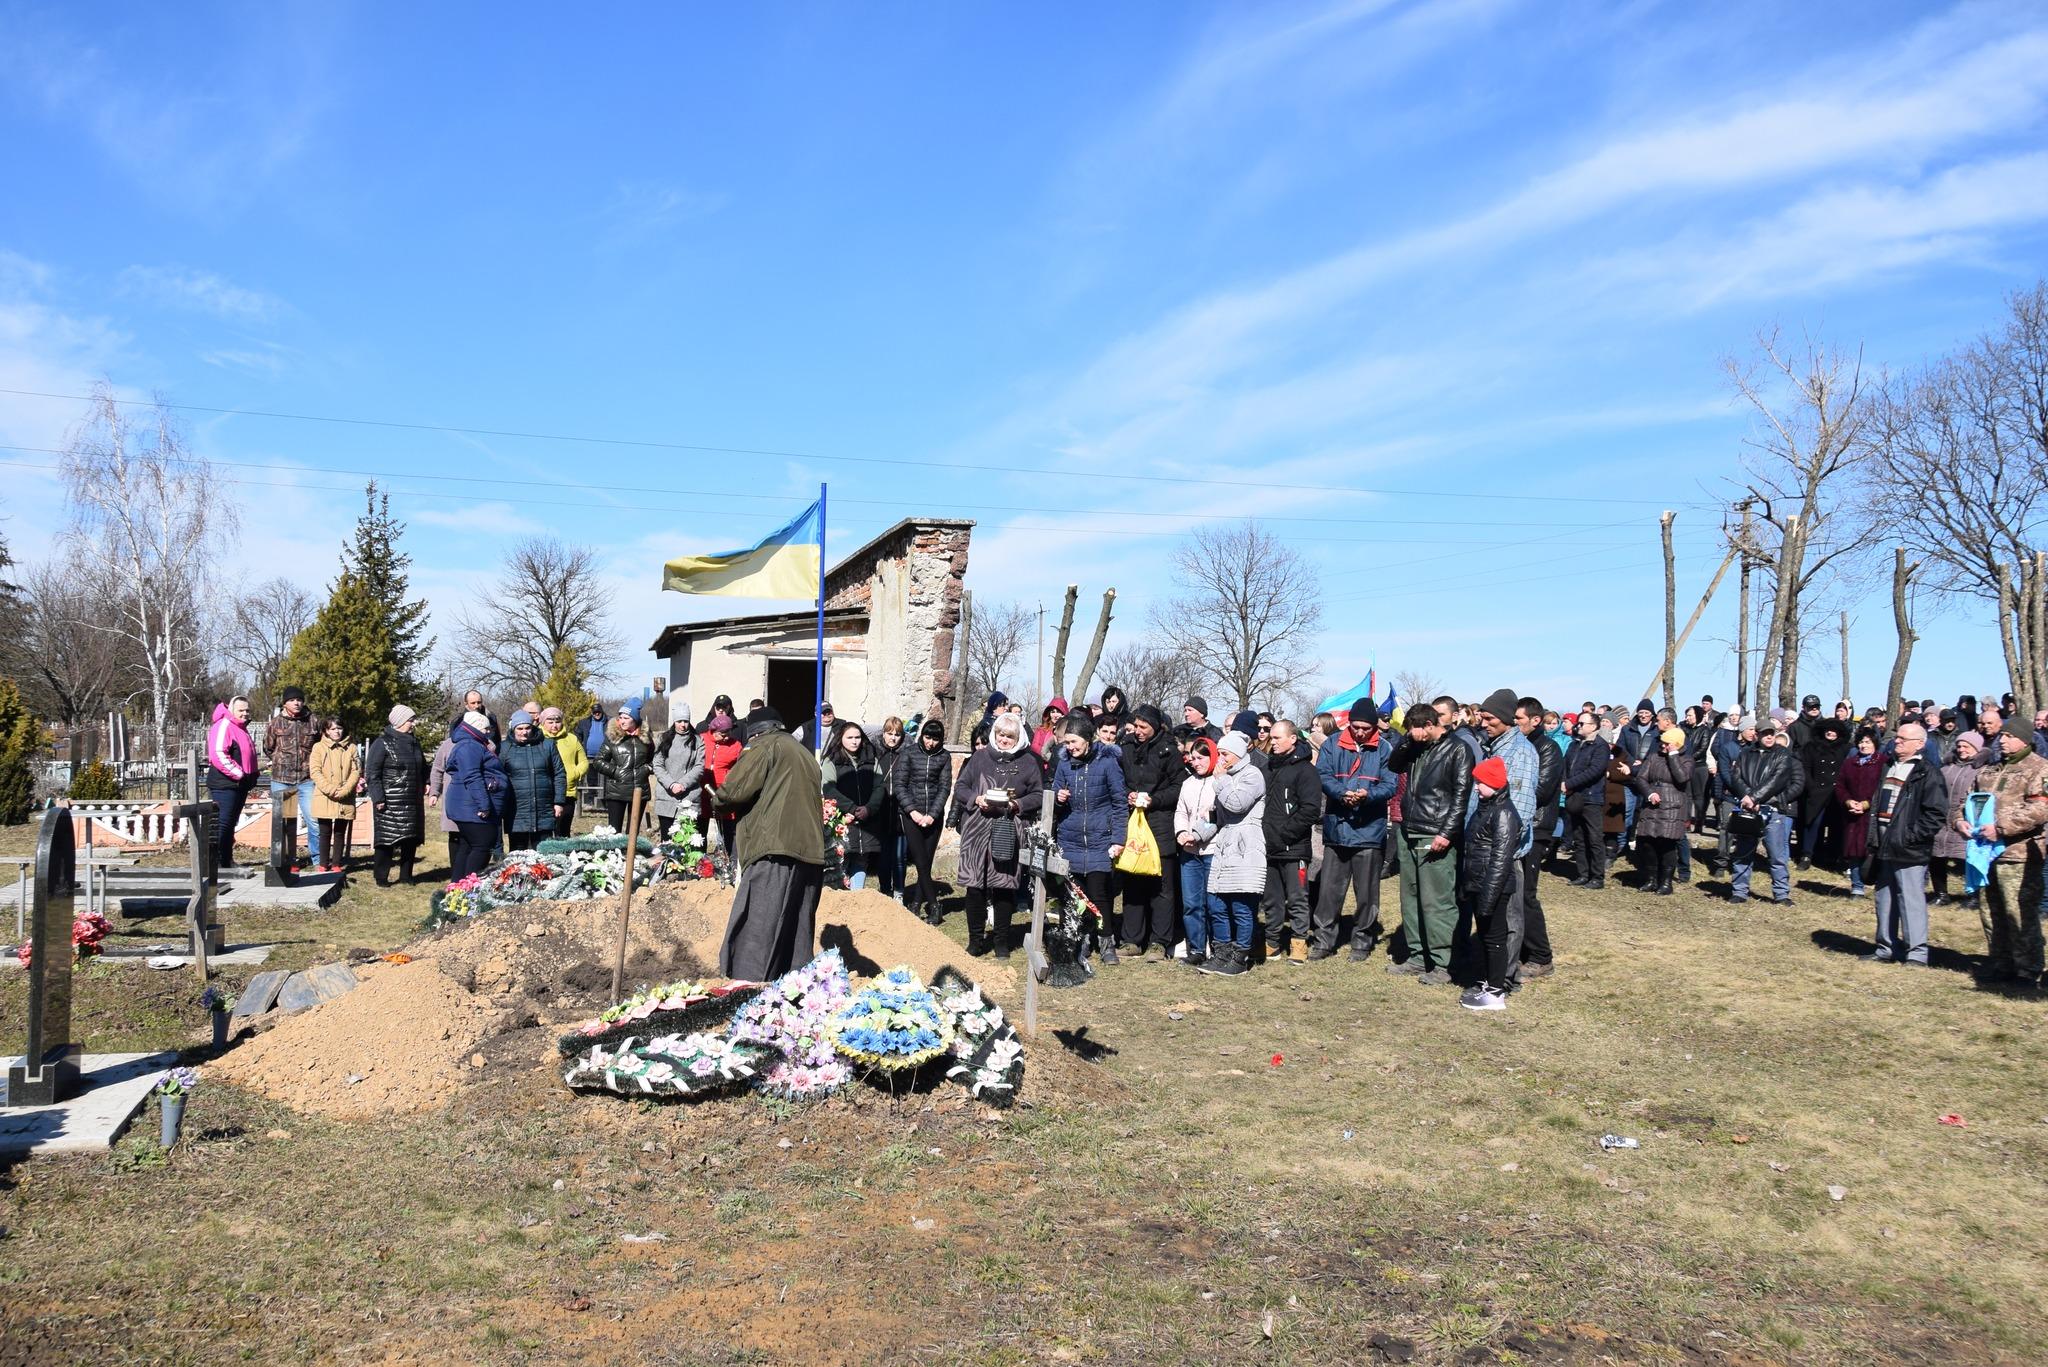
x=373, y=557
x=347, y=661
x=567, y=687
x=21, y=740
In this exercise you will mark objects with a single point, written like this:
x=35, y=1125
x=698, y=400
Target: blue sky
x=1489, y=253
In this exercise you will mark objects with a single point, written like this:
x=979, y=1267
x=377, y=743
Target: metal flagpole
x=818, y=698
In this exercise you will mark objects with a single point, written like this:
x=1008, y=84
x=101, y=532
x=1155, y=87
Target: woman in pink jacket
x=230, y=769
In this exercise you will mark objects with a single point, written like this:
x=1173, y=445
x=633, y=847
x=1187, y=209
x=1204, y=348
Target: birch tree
x=148, y=524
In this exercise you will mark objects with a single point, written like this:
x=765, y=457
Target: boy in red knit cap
x=1493, y=836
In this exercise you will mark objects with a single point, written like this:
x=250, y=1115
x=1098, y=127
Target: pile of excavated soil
x=405, y=1039
x=396, y=1043
x=871, y=932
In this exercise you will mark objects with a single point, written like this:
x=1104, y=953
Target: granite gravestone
x=48, y=1069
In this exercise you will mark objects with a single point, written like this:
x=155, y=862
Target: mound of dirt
x=395, y=1044
x=402, y=1041
x=871, y=932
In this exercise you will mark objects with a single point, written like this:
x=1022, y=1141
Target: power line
x=961, y=466
x=548, y=484
x=873, y=524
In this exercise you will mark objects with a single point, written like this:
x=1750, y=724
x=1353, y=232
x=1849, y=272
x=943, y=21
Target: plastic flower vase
x=173, y=1119
x=220, y=1029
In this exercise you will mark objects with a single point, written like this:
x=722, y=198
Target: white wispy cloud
x=495, y=518
x=639, y=210
x=202, y=140
x=1886, y=113
x=1841, y=234
x=198, y=291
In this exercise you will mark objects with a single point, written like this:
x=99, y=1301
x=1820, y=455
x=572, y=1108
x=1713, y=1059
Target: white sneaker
x=1483, y=998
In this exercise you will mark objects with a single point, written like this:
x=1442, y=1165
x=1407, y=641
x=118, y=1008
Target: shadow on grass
x=1954, y=961
x=1077, y=1042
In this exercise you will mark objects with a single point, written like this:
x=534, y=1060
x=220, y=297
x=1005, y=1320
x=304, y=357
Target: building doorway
x=793, y=692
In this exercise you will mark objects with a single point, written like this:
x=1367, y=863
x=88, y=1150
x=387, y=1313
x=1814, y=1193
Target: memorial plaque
x=48, y=1070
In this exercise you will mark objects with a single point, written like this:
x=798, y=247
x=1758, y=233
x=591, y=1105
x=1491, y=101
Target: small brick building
x=891, y=608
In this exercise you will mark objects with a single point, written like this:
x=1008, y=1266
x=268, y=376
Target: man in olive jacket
x=777, y=786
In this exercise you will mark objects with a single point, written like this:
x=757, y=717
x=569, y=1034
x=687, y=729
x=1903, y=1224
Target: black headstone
x=48, y=1069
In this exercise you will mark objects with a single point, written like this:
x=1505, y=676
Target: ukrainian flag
x=784, y=564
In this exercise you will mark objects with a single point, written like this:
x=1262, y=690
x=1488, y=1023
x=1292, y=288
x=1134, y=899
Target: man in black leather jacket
x=1492, y=837
x=1439, y=769
x=1534, y=951
x=1766, y=784
x=1585, y=802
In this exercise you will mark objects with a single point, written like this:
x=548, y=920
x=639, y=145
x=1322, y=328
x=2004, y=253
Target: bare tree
x=995, y=648
x=1800, y=470
x=1970, y=435
x=1154, y=672
x=147, y=525
x=1248, y=608
x=259, y=631
x=549, y=595
x=1412, y=686
x=71, y=671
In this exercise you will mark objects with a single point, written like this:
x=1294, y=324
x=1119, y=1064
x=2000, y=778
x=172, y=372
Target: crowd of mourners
x=1266, y=830
x=1249, y=839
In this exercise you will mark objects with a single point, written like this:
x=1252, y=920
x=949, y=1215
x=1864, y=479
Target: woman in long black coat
x=396, y=777
x=1822, y=759
x=852, y=777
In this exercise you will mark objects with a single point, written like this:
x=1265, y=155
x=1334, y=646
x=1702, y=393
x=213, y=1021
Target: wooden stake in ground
x=1087, y=673
x=626, y=902
x=1035, y=964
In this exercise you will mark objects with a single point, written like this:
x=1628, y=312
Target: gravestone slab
x=315, y=985
x=112, y=1088
x=47, y=1071
x=260, y=995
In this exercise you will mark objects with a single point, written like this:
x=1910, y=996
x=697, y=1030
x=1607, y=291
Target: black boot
x=977, y=940
x=999, y=938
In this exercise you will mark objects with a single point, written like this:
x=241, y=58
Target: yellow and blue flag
x=783, y=564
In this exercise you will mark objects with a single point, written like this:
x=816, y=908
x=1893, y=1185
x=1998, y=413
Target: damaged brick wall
x=911, y=589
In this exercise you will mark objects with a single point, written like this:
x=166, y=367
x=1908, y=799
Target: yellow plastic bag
x=1141, y=852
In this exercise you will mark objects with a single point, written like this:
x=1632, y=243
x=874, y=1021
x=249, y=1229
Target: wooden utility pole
x=1678, y=642
x=1038, y=699
x=1670, y=613
x=1742, y=614
x=1902, y=577
x=1087, y=674
x=960, y=676
x=1845, y=655
x=1059, y=647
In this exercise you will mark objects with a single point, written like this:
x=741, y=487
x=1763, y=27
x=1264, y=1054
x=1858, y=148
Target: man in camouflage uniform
x=2018, y=778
